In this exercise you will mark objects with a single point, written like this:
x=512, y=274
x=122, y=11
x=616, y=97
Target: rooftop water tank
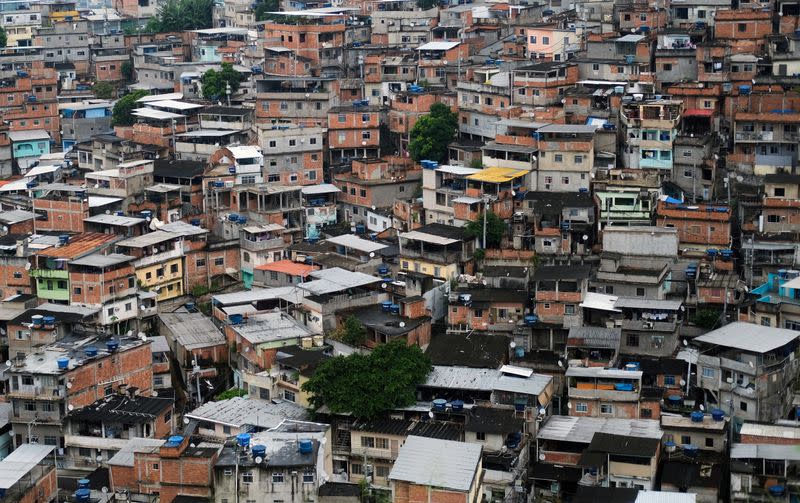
x=690, y=450
x=63, y=239
x=112, y=345
x=82, y=495
x=440, y=404
x=394, y=309
x=531, y=320
x=386, y=306
x=457, y=405
x=519, y=352
x=63, y=363
x=305, y=446
x=49, y=321
x=697, y=416
x=91, y=351
x=83, y=484
x=235, y=319
x=777, y=490
x=718, y=414
x=669, y=446
x=259, y=451
x=175, y=440
x=243, y=439
x=37, y=320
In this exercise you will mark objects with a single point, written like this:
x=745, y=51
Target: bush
x=231, y=393
x=122, y=113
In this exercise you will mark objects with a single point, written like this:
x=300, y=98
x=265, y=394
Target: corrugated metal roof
x=467, y=378
x=765, y=451
x=602, y=373
x=356, y=243
x=594, y=337
x=120, y=220
x=124, y=457
x=289, y=293
x=497, y=175
x=635, y=303
x=192, y=330
x=322, y=188
x=271, y=327
x=582, y=429
x=99, y=260
x=239, y=411
x=749, y=337
x=80, y=245
x=20, y=462
x=437, y=463
x=437, y=46
x=665, y=497
x=336, y=279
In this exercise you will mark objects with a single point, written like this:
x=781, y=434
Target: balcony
x=38, y=392
x=611, y=395
x=49, y=273
x=374, y=453
x=157, y=258
x=261, y=244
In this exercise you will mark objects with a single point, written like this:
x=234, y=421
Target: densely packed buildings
x=586, y=214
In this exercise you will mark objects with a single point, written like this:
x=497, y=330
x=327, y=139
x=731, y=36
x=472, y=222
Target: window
x=288, y=395
x=569, y=309
x=381, y=443
x=219, y=261
x=667, y=67
x=709, y=442
x=158, y=380
x=308, y=477
x=356, y=469
x=743, y=406
x=741, y=27
x=642, y=17
x=578, y=159
x=606, y=408
x=277, y=477
x=247, y=477
x=686, y=439
x=480, y=436
x=362, y=193
x=77, y=290
x=645, y=414
x=382, y=471
x=595, y=67
x=533, y=39
x=155, y=466
x=766, y=322
x=640, y=292
x=558, y=158
x=201, y=262
x=708, y=373
x=545, y=40
x=669, y=380
x=581, y=407
x=30, y=406
x=633, y=340
x=50, y=440
x=773, y=219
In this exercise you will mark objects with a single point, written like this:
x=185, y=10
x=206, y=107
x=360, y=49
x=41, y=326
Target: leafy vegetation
x=214, y=82
x=432, y=133
x=367, y=385
x=121, y=114
x=180, y=15
x=263, y=7
x=103, y=90
x=706, y=318
x=427, y=4
x=3, y=37
x=127, y=70
x=351, y=332
x=231, y=393
x=495, y=228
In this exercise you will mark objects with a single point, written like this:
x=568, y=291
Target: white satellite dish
x=192, y=445
x=155, y=393
x=8, y=363
x=512, y=344
x=560, y=364
x=104, y=490
x=430, y=414
x=69, y=385
x=185, y=420
x=28, y=266
x=259, y=459
x=402, y=324
x=70, y=407
x=384, y=285
x=99, y=458
x=569, y=405
x=129, y=333
x=371, y=254
x=542, y=457
x=685, y=342
x=683, y=383
x=702, y=407
x=542, y=411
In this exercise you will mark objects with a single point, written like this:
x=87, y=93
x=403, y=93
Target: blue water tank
x=83, y=484
x=622, y=386
x=386, y=306
x=243, y=439
x=690, y=450
x=63, y=239
x=675, y=399
x=457, y=405
x=37, y=320
x=146, y=213
x=383, y=270
x=49, y=321
x=305, y=446
x=112, y=345
x=519, y=351
x=91, y=351
x=777, y=490
x=744, y=89
x=361, y=229
x=235, y=319
x=195, y=221
x=174, y=441
x=259, y=451
x=120, y=213
x=697, y=416
x=394, y=309
x=63, y=363
x=632, y=366
x=83, y=495
x=531, y=320
x=440, y=404
x=190, y=306
x=712, y=252
x=718, y=414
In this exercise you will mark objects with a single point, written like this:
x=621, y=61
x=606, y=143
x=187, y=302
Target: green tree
x=263, y=7
x=127, y=70
x=351, y=332
x=231, y=393
x=121, y=114
x=3, y=37
x=103, y=90
x=706, y=318
x=432, y=133
x=495, y=228
x=367, y=385
x=427, y=4
x=180, y=15
x=214, y=81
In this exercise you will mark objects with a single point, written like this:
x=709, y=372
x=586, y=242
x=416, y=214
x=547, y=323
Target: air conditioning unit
x=647, y=324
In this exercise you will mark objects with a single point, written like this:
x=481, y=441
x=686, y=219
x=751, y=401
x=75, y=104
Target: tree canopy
x=180, y=15
x=495, y=228
x=432, y=133
x=367, y=385
x=231, y=393
x=214, y=81
x=121, y=114
x=3, y=37
x=103, y=90
x=351, y=332
x=263, y=7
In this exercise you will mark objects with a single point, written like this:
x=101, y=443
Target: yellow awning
x=497, y=175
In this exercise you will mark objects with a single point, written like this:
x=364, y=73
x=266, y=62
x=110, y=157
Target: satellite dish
x=192, y=445
x=402, y=324
x=143, y=337
x=8, y=363
x=70, y=407
x=99, y=458
x=542, y=457
x=28, y=266
x=683, y=383
x=685, y=342
x=155, y=393
x=585, y=237
x=384, y=285
x=371, y=254
x=373, y=207
x=129, y=333
x=751, y=365
x=512, y=344
x=560, y=364
x=69, y=386
x=108, y=212
x=185, y=420
x=702, y=407
x=430, y=414
x=104, y=490
x=259, y=459
x=569, y=405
